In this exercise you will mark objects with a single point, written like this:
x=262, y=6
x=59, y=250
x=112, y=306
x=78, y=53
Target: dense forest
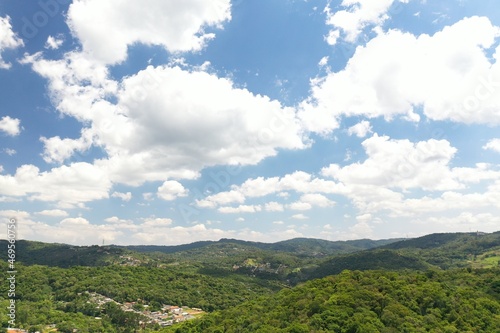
x=369, y=302
x=57, y=295
x=436, y=283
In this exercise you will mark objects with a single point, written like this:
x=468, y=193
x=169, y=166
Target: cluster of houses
x=168, y=315
x=253, y=266
x=16, y=330
x=51, y=327
x=129, y=261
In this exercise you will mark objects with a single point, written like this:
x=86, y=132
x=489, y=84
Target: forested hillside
x=62, y=255
x=453, y=250
x=50, y=295
x=459, y=301
x=308, y=247
x=364, y=260
x=436, y=283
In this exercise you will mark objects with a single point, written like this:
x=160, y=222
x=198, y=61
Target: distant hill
x=377, y=259
x=61, y=255
x=308, y=247
x=472, y=241
x=167, y=248
x=222, y=254
x=320, y=247
x=452, y=250
x=428, y=241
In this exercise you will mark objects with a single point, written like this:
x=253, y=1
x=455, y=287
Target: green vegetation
x=51, y=295
x=306, y=247
x=450, y=250
x=487, y=260
x=369, y=302
x=436, y=283
x=365, y=260
x=62, y=255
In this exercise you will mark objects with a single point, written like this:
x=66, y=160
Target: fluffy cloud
x=78, y=88
x=163, y=106
x=310, y=200
x=156, y=222
x=357, y=15
x=317, y=200
x=240, y=209
x=493, y=144
x=123, y=196
x=222, y=198
x=117, y=220
x=53, y=213
x=299, y=181
x=299, y=205
x=158, y=231
x=58, y=150
x=449, y=75
x=153, y=133
x=177, y=25
x=68, y=186
x=395, y=167
x=170, y=190
x=78, y=231
x=323, y=62
x=198, y=232
x=10, y=152
x=401, y=164
x=53, y=43
x=274, y=206
x=382, y=186
x=8, y=40
x=450, y=201
x=74, y=231
x=259, y=187
x=464, y=222
x=361, y=129
x=10, y=126
x=361, y=230
x=78, y=221
x=15, y=214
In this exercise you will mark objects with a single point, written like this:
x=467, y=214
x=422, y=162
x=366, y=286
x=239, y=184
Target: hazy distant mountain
x=301, y=246
x=61, y=255
x=454, y=249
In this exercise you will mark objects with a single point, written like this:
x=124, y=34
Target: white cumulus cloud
x=8, y=40
x=53, y=213
x=123, y=196
x=356, y=16
x=171, y=190
x=493, y=144
x=361, y=129
x=68, y=186
x=177, y=25
x=240, y=209
x=53, y=43
x=10, y=126
x=449, y=75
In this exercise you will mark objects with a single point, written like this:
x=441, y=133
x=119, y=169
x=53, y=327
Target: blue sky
x=168, y=122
